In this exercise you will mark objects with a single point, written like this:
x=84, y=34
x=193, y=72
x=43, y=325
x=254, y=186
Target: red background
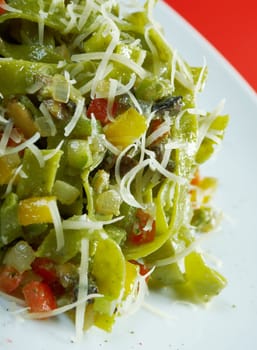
x=230, y=25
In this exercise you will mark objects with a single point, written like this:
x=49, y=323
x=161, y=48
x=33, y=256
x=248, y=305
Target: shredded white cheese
x=82, y=288
x=5, y=137
x=38, y=154
x=199, y=84
x=111, y=97
x=115, y=36
x=53, y=152
x=173, y=70
x=57, y=224
x=96, y=56
x=204, y=127
x=162, y=129
x=16, y=136
x=137, y=296
x=22, y=146
x=48, y=119
x=88, y=9
x=9, y=8
x=74, y=119
x=154, y=51
x=83, y=222
x=60, y=310
x=12, y=299
x=12, y=180
x=41, y=26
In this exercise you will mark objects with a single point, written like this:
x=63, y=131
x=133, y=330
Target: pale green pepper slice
x=30, y=10
x=9, y=225
x=38, y=53
x=208, y=145
x=108, y=268
x=72, y=243
x=109, y=272
x=65, y=193
x=79, y=155
x=201, y=282
x=40, y=179
x=56, y=15
x=25, y=74
x=164, y=276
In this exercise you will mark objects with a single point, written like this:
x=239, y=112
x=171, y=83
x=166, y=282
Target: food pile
x=101, y=141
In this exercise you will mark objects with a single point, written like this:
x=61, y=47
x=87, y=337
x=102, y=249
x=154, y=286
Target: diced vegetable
x=196, y=179
x=72, y=238
x=143, y=270
x=65, y=192
x=143, y=230
x=10, y=279
x=10, y=227
x=39, y=297
x=201, y=282
x=101, y=181
x=39, y=179
x=20, y=256
x=109, y=272
x=108, y=203
x=8, y=165
x=126, y=128
x=208, y=145
x=2, y=2
x=98, y=107
x=152, y=89
x=118, y=234
x=108, y=268
x=68, y=275
x=99, y=41
x=22, y=118
x=35, y=210
x=45, y=268
x=83, y=128
x=166, y=276
x=205, y=219
x=24, y=73
x=79, y=154
x=131, y=275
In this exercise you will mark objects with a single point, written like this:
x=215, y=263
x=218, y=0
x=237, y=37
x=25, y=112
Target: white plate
x=230, y=321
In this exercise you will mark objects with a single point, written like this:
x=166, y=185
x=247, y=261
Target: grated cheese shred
x=59, y=310
x=5, y=137
x=82, y=288
x=74, y=119
x=98, y=56
x=33, y=139
x=57, y=224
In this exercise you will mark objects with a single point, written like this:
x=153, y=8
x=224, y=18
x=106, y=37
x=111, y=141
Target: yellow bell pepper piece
x=126, y=128
x=8, y=164
x=35, y=210
x=22, y=118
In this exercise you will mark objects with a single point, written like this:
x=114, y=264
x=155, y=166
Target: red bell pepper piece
x=142, y=232
x=39, y=296
x=10, y=279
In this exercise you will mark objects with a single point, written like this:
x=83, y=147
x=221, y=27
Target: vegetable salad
x=101, y=141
